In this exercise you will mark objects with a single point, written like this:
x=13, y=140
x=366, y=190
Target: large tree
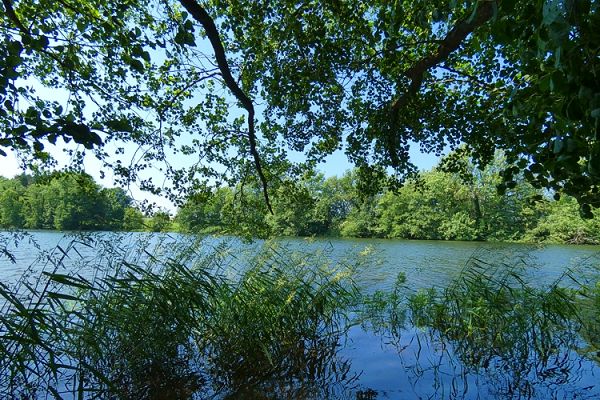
x=370, y=77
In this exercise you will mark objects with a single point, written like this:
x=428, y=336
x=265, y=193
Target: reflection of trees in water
x=491, y=334
x=308, y=371
x=436, y=369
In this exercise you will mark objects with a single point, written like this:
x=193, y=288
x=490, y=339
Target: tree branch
x=416, y=73
x=10, y=11
x=468, y=77
x=201, y=16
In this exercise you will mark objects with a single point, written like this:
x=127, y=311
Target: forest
x=436, y=205
x=65, y=201
x=228, y=109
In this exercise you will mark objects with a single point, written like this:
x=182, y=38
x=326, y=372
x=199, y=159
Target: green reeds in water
x=519, y=335
x=178, y=322
x=589, y=310
x=276, y=327
x=184, y=319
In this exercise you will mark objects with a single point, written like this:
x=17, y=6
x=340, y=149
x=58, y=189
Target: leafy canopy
x=234, y=86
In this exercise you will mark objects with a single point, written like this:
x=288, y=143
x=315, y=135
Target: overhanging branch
x=10, y=12
x=200, y=15
x=416, y=73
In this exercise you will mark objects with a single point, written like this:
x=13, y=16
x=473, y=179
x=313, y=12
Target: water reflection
x=312, y=371
x=490, y=334
x=161, y=329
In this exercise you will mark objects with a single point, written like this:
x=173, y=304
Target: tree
x=361, y=217
x=205, y=212
x=11, y=203
x=435, y=206
x=561, y=223
x=115, y=202
x=160, y=222
x=133, y=220
x=61, y=200
x=500, y=216
x=520, y=76
x=76, y=202
x=458, y=201
x=369, y=76
x=37, y=208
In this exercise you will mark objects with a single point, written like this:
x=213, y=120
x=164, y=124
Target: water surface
x=415, y=364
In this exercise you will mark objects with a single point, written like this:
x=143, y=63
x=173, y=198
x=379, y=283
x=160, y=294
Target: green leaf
x=551, y=11
x=558, y=146
x=536, y=168
x=585, y=211
x=120, y=125
x=62, y=296
x=137, y=65
x=501, y=188
x=38, y=146
x=594, y=165
x=67, y=280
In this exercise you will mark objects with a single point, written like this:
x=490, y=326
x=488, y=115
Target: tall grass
x=177, y=322
x=493, y=328
x=521, y=336
x=184, y=319
x=282, y=319
x=589, y=310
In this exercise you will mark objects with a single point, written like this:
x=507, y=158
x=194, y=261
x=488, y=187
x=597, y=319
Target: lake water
x=412, y=365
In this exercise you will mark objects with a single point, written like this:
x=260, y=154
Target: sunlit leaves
x=326, y=77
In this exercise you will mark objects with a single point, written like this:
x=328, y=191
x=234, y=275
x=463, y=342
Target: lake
x=415, y=362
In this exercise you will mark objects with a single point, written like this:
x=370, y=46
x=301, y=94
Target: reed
x=177, y=322
x=520, y=336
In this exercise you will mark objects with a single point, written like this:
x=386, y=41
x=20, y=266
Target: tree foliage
x=436, y=205
x=65, y=201
x=367, y=77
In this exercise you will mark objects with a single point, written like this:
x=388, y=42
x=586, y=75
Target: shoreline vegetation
x=183, y=321
x=436, y=205
x=175, y=321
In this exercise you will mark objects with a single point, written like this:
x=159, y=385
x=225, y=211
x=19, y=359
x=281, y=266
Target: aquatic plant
x=276, y=327
x=589, y=310
x=177, y=322
x=385, y=311
x=516, y=334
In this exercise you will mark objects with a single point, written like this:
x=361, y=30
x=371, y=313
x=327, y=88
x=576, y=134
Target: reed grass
x=183, y=319
x=520, y=336
x=176, y=322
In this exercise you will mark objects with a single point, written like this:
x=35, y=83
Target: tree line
x=472, y=204
x=435, y=205
x=65, y=201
